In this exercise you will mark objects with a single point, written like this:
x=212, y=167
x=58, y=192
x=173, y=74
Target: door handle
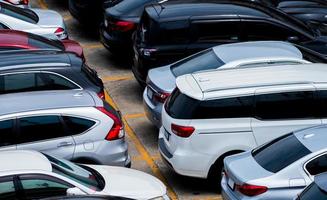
x=64, y=144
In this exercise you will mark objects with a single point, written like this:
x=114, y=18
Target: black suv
x=171, y=31
x=26, y=71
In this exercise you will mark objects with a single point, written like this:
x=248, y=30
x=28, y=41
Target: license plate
x=231, y=183
x=150, y=93
x=167, y=135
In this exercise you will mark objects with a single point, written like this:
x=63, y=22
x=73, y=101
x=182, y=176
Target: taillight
x=116, y=132
x=182, y=131
x=251, y=190
x=61, y=33
x=101, y=94
x=18, y=2
x=161, y=97
x=122, y=26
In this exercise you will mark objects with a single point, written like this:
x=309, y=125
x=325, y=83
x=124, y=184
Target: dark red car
x=17, y=40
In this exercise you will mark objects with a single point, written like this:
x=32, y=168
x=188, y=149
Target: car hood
x=130, y=183
x=242, y=168
x=73, y=46
x=48, y=18
x=162, y=79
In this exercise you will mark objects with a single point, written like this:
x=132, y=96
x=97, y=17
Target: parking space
x=126, y=95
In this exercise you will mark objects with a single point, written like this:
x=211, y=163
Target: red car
x=17, y=40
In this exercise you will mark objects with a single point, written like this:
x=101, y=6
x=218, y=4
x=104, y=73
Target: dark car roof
x=29, y=59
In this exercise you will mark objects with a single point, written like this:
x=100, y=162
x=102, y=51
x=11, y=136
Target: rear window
x=313, y=192
x=92, y=76
x=44, y=43
x=19, y=13
x=77, y=125
x=131, y=7
x=280, y=153
x=204, y=60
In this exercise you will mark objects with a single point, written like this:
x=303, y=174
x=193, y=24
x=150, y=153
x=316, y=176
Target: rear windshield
x=279, y=153
x=204, y=60
x=132, y=7
x=44, y=43
x=92, y=76
x=19, y=13
x=311, y=56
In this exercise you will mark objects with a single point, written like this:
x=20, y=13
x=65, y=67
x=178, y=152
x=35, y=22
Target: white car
x=19, y=3
x=41, y=176
x=41, y=22
x=215, y=114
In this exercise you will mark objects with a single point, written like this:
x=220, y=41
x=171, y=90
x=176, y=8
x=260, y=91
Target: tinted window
x=47, y=81
x=174, y=32
x=2, y=26
x=26, y=15
x=40, y=128
x=313, y=192
x=91, y=75
x=77, y=125
x=7, y=188
x=41, y=186
x=203, y=61
x=181, y=106
x=7, y=136
x=280, y=153
x=288, y=105
x=323, y=99
x=318, y=165
x=217, y=31
x=44, y=43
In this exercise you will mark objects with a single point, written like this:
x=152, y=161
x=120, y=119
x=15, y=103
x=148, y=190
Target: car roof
x=321, y=181
x=244, y=50
x=313, y=138
x=43, y=100
x=245, y=81
x=22, y=160
x=37, y=58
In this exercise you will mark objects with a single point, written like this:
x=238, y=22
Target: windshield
x=204, y=60
x=19, y=13
x=44, y=43
x=81, y=174
x=280, y=153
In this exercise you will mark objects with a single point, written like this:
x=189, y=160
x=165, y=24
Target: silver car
x=41, y=22
x=73, y=124
x=161, y=81
x=280, y=169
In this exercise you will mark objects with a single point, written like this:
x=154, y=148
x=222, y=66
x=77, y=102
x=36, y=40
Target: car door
x=209, y=33
x=7, y=188
x=284, y=110
x=7, y=135
x=45, y=133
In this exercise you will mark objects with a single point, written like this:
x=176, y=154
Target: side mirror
x=297, y=182
x=74, y=191
x=293, y=39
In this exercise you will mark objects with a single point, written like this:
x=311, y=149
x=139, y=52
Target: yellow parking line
x=133, y=116
x=144, y=153
x=92, y=46
x=42, y=4
x=117, y=78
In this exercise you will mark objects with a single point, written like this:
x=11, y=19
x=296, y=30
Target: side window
x=41, y=186
x=7, y=136
x=225, y=108
x=17, y=83
x=322, y=95
x=266, y=31
x=217, y=31
x=7, y=189
x=40, y=128
x=47, y=81
x=318, y=165
x=174, y=32
x=287, y=105
x=2, y=26
x=77, y=125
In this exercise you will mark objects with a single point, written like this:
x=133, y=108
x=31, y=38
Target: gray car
x=280, y=169
x=161, y=81
x=74, y=125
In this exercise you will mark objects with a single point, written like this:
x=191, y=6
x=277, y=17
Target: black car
x=311, y=12
x=120, y=23
x=316, y=190
x=25, y=71
x=171, y=31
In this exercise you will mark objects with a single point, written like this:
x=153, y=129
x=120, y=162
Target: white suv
x=211, y=115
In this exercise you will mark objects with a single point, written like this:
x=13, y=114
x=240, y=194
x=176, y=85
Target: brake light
x=123, y=26
x=182, y=131
x=101, y=94
x=116, y=132
x=60, y=33
x=161, y=97
x=251, y=190
x=18, y=2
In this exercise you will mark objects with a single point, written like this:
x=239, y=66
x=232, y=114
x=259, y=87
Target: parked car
x=19, y=3
x=316, y=190
x=280, y=169
x=41, y=175
x=26, y=71
x=161, y=81
x=79, y=126
x=86, y=197
x=211, y=115
x=16, y=40
x=46, y=23
x=169, y=32
x=120, y=22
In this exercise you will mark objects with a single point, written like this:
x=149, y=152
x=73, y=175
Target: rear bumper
x=153, y=112
x=226, y=192
x=114, y=44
